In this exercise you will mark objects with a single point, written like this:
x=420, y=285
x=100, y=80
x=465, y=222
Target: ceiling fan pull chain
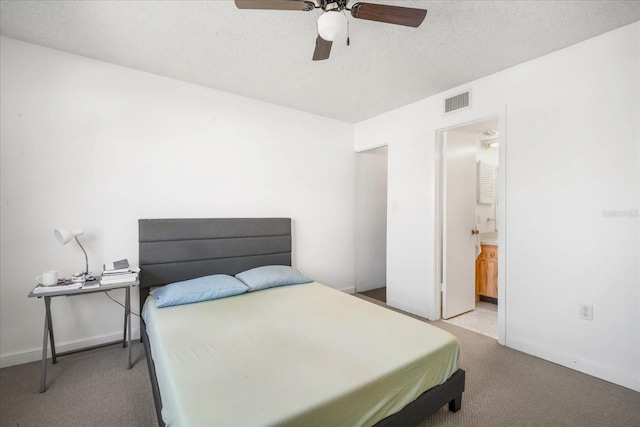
x=348, y=33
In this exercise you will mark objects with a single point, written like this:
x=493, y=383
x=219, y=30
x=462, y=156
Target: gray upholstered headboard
x=172, y=250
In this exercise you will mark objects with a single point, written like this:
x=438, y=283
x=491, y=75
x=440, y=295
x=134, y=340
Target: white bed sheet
x=296, y=355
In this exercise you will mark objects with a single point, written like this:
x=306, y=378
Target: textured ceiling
x=267, y=54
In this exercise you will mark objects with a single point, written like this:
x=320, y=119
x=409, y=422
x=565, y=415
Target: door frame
x=451, y=123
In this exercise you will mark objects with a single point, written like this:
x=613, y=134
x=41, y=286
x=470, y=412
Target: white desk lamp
x=64, y=237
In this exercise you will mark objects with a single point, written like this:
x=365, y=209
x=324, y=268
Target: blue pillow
x=271, y=276
x=196, y=290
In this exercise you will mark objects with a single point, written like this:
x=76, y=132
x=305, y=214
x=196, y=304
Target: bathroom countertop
x=489, y=238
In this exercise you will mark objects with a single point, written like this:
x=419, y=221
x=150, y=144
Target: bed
x=304, y=354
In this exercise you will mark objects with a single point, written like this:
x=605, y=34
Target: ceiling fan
x=332, y=24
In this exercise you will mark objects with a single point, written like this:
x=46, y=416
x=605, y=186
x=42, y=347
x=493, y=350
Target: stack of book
x=119, y=272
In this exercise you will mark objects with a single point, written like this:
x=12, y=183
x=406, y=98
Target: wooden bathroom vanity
x=487, y=272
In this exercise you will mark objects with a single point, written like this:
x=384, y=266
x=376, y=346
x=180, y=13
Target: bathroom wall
x=486, y=211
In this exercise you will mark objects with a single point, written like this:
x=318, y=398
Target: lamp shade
x=332, y=25
x=64, y=236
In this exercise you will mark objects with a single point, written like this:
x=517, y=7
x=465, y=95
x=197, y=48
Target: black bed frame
x=172, y=250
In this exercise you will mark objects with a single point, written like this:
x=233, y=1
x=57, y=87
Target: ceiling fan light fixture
x=332, y=25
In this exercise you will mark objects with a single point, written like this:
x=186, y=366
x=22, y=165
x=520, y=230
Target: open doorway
x=469, y=223
x=371, y=223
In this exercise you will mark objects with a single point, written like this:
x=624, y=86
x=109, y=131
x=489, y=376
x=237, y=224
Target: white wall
x=571, y=156
x=371, y=219
x=93, y=145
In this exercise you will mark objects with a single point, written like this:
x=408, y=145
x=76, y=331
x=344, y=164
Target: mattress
x=293, y=355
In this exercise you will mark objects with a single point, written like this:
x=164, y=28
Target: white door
x=459, y=219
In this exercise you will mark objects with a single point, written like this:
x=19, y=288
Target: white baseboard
x=622, y=378
x=19, y=358
x=364, y=287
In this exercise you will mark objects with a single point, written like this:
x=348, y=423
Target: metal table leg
x=54, y=356
x=127, y=312
x=124, y=329
x=48, y=333
x=43, y=369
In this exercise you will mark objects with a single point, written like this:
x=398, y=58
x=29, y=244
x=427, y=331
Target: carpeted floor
x=484, y=319
x=504, y=388
x=508, y=388
x=91, y=388
x=379, y=294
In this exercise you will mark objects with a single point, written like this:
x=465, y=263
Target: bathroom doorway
x=469, y=220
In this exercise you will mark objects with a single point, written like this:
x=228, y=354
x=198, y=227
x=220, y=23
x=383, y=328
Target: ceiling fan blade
x=303, y=5
x=407, y=16
x=323, y=49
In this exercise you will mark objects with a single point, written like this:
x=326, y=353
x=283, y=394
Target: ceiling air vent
x=456, y=102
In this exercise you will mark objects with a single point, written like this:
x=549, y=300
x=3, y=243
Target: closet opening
x=371, y=223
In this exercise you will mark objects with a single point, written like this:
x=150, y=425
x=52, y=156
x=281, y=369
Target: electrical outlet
x=586, y=311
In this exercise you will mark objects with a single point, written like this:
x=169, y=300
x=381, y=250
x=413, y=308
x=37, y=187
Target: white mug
x=48, y=278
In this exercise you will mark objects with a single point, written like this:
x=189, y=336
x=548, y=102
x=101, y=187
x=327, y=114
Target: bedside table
x=48, y=325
